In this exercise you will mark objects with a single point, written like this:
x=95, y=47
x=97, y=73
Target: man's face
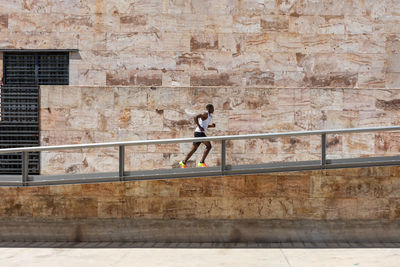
x=211, y=110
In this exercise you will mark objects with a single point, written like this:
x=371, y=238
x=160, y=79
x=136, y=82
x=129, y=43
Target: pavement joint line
x=284, y=255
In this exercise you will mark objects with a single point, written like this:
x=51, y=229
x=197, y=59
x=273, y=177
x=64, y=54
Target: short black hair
x=209, y=106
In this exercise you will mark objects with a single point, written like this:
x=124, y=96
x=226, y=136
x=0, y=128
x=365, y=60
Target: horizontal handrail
x=224, y=169
x=199, y=139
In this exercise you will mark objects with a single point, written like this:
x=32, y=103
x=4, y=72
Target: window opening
x=19, y=102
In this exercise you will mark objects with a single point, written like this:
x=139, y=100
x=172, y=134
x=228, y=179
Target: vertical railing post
x=121, y=162
x=25, y=168
x=223, y=156
x=323, y=150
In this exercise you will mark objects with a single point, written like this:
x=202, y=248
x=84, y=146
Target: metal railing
x=223, y=168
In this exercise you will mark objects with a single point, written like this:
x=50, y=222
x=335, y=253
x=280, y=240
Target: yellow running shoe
x=202, y=164
x=183, y=165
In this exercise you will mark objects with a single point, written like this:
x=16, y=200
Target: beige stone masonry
x=348, y=194
x=242, y=43
x=75, y=115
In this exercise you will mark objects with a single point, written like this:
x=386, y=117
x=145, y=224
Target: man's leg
x=194, y=148
x=208, y=148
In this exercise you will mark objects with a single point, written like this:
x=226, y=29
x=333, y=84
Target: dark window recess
x=36, y=68
x=19, y=126
x=19, y=103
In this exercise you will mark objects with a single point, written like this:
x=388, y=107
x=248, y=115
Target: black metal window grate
x=53, y=68
x=36, y=68
x=19, y=69
x=19, y=126
x=19, y=102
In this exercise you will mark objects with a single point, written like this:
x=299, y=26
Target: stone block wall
x=338, y=195
x=244, y=43
x=146, y=67
x=83, y=114
x=267, y=65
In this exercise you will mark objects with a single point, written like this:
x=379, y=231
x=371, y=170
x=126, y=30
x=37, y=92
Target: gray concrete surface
x=196, y=230
x=208, y=257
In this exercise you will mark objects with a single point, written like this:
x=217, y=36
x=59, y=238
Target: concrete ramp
x=218, y=171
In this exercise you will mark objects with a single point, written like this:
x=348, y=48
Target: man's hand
x=201, y=128
x=213, y=125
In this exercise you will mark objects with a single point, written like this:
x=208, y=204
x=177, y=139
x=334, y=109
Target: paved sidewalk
x=207, y=257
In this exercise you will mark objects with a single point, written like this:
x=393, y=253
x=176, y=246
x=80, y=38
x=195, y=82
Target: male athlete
x=203, y=122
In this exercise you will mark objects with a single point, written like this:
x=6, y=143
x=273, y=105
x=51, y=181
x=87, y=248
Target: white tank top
x=204, y=124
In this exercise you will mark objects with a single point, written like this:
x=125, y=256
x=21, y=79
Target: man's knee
x=209, y=146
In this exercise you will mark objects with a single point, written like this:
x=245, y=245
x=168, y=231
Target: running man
x=203, y=122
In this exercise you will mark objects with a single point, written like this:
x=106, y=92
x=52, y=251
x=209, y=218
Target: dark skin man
x=202, y=122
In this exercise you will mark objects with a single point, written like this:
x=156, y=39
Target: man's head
x=210, y=108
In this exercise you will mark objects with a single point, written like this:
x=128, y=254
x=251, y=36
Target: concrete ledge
x=143, y=230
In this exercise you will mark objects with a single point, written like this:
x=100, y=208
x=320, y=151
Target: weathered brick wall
x=104, y=114
x=350, y=194
x=245, y=43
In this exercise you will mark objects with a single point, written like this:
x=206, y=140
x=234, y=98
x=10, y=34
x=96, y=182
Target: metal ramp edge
x=162, y=174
